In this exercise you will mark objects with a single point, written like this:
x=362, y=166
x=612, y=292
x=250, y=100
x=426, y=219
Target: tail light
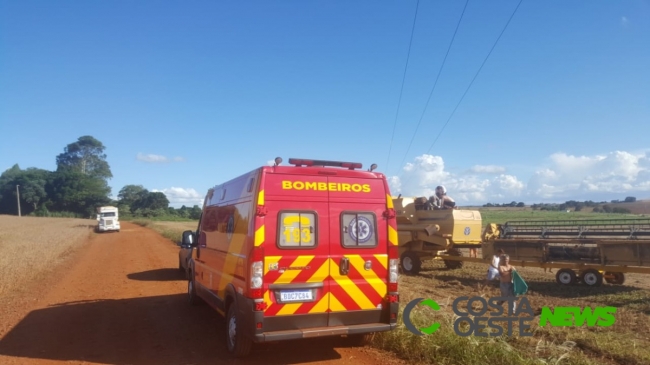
x=257, y=273
x=393, y=274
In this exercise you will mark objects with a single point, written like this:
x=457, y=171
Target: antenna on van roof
x=372, y=167
x=278, y=161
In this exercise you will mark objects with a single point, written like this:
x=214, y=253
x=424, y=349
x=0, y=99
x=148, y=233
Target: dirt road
x=121, y=300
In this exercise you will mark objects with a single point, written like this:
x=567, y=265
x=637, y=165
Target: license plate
x=296, y=296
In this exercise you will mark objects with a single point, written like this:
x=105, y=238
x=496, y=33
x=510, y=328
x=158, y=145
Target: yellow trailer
x=585, y=251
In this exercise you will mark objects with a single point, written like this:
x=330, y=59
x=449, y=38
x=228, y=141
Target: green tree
x=8, y=190
x=85, y=156
x=195, y=212
x=151, y=201
x=129, y=194
x=32, y=187
x=73, y=191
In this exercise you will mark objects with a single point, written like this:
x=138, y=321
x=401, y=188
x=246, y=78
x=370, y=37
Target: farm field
x=30, y=247
x=502, y=215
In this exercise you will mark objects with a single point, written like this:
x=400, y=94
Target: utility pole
x=18, y=198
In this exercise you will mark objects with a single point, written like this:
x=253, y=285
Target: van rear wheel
x=238, y=344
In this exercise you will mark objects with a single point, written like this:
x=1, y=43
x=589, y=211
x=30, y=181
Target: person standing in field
x=506, y=284
x=493, y=269
x=473, y=252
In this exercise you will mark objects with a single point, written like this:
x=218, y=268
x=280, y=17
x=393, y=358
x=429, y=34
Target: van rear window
x=358, y=229
x=297, y=229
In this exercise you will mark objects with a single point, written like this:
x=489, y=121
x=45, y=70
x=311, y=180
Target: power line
x=435, y=82
x=475, y=76
x=399, y=102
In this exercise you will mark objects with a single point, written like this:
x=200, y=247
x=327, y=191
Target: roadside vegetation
x=172, y=230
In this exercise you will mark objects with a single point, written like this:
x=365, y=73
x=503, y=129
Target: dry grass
x=626, y=342
x=30, y=247
x=170, y=230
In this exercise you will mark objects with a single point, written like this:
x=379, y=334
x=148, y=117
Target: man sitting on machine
x=441, y=200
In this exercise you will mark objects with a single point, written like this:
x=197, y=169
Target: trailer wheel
x=566, y=277
x=592, y=277
x=453, y=264
x=616, y=278
x=410, y=263
x=238, y=343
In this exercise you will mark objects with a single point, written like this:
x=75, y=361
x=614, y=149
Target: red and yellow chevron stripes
x=359, y=289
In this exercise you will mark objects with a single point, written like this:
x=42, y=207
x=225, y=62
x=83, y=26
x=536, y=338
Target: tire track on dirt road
x=122, y=301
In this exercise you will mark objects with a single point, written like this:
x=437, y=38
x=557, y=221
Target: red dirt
x=121, y=300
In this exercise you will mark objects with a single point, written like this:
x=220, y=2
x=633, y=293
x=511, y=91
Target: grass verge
x=170, y=230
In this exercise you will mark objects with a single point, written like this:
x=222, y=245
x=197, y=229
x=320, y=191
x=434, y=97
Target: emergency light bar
x=303, y=162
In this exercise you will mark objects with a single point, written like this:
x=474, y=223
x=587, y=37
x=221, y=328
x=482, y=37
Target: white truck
x=107, y=219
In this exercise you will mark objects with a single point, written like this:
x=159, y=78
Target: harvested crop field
x=30, y=247
x=625, y=342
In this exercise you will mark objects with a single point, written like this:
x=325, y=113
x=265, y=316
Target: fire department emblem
x=230, y=228
x=360, y=230
x=273, y=266
x=467, y=230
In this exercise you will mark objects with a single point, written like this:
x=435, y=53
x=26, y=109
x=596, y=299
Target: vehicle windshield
x=108, y=214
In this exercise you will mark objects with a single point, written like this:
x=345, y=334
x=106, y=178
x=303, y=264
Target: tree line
x=78, y=186
x=598, y=207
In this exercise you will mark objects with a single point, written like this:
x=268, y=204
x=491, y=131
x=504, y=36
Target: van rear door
x=296, y=264
x=358, y=251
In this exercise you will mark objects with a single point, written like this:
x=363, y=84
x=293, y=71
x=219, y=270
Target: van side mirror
x=98, y=217
x=188, y=238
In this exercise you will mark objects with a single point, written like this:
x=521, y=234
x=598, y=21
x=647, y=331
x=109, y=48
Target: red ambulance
x=299, y=251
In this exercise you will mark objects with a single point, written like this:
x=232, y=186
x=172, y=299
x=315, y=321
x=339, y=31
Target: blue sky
x=559, y=111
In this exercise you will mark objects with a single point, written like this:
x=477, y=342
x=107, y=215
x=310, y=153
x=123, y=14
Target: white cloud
x=182, y=196
x=488, y=169
x=614, y=175
x=152, y=158
x=624, y=21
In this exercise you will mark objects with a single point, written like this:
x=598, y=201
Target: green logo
x=406, y=315
x=502, y=321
